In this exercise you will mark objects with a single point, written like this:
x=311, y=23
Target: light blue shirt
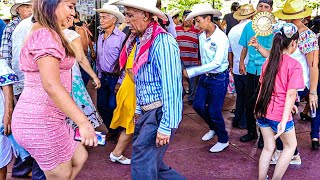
x=160, y=80
x=256, y=60
x=213, y=52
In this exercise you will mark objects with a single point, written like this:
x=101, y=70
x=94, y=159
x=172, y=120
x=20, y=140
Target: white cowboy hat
x=203, y=9
x=18, y=3
x=111, y=9
x=174, y=12
x=144, y=5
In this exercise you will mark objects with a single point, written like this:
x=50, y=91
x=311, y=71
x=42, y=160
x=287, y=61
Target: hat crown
x=246, y=9
x=293, y=6
x=110, y=7
x=23, y=1
x=202, y=7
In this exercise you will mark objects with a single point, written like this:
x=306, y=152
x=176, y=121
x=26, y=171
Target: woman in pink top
x=281, y=77
x=38, y=121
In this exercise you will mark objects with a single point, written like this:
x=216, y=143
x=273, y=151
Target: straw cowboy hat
x=18, y=3
x=293, y=9
x=112, y=9
x=244, y=12
x=144, y=5
x=174, y=12
x=203, y=9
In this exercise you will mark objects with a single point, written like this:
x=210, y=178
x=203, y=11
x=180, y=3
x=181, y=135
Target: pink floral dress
x=37, y=124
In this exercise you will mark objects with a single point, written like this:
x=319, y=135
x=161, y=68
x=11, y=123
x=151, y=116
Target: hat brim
x=194, y=14
x=13, y=9
x=238, y=16
x=279, y=14
x=155, y=11
x=117, y=14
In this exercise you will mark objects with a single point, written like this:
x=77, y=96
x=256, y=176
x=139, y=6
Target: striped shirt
x=160, y=79
x=188, y=41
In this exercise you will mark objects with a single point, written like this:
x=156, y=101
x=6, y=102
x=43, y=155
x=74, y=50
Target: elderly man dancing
x=157, y=69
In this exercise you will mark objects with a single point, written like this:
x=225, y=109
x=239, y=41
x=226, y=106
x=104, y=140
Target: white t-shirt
x=234, y=37
x=18, y=37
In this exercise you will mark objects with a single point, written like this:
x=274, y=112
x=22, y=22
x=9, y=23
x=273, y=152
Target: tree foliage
x=187, y=4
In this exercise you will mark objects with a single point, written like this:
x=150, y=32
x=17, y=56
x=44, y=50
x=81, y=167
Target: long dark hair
x=44, y=14
x=280, y=43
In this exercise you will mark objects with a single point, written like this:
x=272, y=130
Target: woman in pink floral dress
x=39, y=118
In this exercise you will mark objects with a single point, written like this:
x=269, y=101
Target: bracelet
x=313, y=92
x=258, y=47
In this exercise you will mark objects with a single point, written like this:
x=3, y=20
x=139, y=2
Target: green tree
x=188, y=4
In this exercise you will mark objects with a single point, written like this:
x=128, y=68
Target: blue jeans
x=212, y=91
x=106, y=100
x=240, y=112
x=146, y=162
x=315, y=122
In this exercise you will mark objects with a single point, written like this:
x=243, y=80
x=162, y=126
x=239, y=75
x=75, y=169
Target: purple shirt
x=109, y=50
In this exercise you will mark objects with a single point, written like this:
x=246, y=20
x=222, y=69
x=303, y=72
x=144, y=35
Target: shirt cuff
x=138, y=109
x=164, y=130
x=190, y=72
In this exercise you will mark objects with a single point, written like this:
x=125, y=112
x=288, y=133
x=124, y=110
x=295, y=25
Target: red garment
x=142, y=53
x=188, y=43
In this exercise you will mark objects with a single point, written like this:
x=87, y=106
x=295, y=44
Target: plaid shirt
x=6, y=42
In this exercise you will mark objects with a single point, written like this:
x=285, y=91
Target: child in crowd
x=280, y=79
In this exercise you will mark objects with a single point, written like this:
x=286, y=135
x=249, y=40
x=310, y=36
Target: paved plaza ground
x=190, y=156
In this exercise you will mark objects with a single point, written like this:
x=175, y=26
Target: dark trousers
x=107, y=99
x=315, y=122
x=23, y=168
x=240, y=112
x=252, y=91
x=209, y=100
x=146, y=162
x=85, y=76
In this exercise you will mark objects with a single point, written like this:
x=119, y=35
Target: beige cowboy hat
x=18, y=3
x=293, y=9
x=203, y=9
x=244, y=12
x=174, y=12
x=144, y=5
x=112, y=9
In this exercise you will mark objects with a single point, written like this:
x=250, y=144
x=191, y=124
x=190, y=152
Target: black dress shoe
x=260, y=143
x=248, y=137
x=315, y=145
x=305, y=117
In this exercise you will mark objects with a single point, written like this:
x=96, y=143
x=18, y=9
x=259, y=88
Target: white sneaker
x=119, y=159
x=209, y=135
x=296, y=159
x=275, y=157
x=219, y=147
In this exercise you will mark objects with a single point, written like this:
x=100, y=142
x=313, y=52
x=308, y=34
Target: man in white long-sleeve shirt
x=214, y=79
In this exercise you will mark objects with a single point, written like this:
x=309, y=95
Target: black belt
x=108, y=74
x=215, y=74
